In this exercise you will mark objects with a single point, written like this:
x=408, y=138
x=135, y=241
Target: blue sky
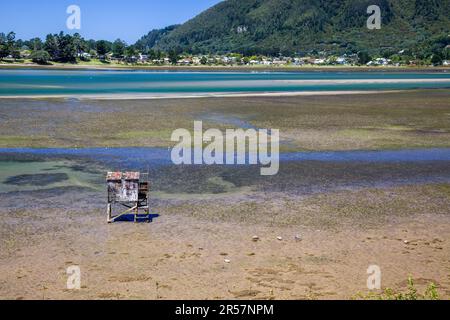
x=100, y=19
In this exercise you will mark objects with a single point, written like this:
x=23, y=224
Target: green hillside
x=290, y=26
x=153, y=37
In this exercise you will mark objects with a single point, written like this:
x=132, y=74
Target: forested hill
x=152, y=38
x=289, y=26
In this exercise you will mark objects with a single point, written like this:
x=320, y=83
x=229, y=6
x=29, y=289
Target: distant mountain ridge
x=290, y=26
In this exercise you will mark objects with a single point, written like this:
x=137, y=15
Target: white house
x=380, y=62
x=299, y=61
x=185, y=61
x=341, y=60
x=279, y=62
x=143, y=57
x=319, y=61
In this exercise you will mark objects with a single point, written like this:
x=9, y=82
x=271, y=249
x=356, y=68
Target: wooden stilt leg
x=109, y=213
x=148, y=210
x=136, y=212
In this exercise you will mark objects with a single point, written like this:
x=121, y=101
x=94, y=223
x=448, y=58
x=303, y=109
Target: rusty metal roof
x=114, y=176
x=131, y=175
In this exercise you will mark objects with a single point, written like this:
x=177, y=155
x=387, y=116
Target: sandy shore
x=183, y=256
x=361, y=81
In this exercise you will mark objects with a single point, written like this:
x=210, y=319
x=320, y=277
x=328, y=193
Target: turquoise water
x=58, y=82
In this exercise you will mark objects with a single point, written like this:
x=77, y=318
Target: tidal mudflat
x=335, y=213
x=319, y=226
x=407, y=119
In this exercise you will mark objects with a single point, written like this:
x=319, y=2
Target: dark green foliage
x=3, y=51
x=79, y=43
x=427, y=9
x=15, y=54
x=436, y=59
x=131, y=54
x=173, y=56
x=35, y=44
x=296, y=26
x=118, y=48
x=363, y=58
x=52, y=46
x=3, y=46
x=154, y=54
x=64, y=47
x=91, y=44
x=103, y=47
x=40, y=57
x=151, y=39
x=8, y=46
x=67, y=48
x=412, y=30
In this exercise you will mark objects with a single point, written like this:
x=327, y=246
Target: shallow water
x=56, y=82
x=35, y=175
x=23, y=170
x=141, y=157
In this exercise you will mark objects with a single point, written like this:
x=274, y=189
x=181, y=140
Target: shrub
x=411, y=293
x=40, y=57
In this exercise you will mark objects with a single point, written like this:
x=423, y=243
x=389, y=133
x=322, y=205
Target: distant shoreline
x=226, y=68
x=128, y=96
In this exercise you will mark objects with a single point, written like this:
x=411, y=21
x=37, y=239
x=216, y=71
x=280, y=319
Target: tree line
x=66, y=48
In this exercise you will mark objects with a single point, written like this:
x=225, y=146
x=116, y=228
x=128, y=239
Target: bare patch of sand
x=183, y=257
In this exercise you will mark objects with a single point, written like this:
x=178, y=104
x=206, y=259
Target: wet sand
x=334, y=218
x=334, y=221
x=398, y=120
x=178, y=256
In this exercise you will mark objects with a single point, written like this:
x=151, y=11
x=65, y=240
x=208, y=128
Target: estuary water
x=147, y=156
x=159, y=84
x=28, y=170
